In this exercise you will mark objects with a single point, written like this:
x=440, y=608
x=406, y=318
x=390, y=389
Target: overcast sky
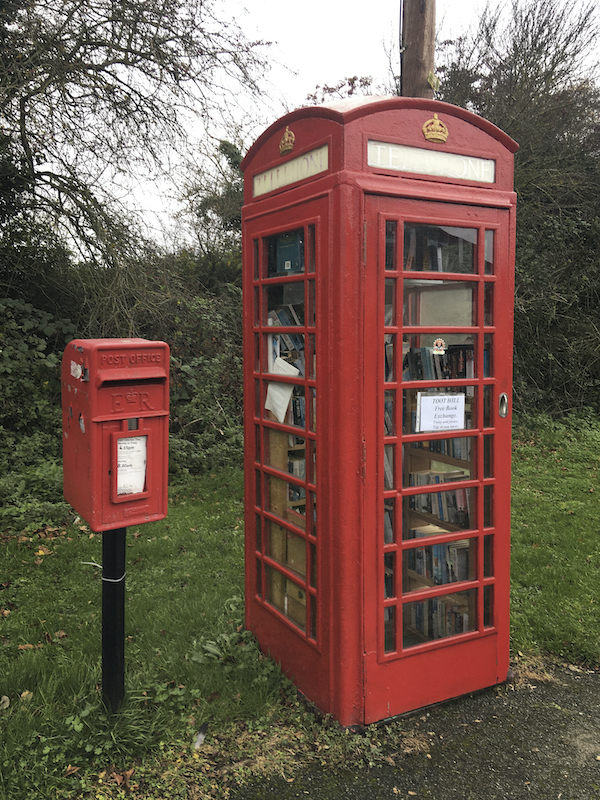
x=324, y=41
x=315, y=42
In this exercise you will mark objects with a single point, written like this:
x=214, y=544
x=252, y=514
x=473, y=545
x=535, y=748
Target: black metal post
x=113, y=617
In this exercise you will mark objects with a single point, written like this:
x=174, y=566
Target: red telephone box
x=378, y=288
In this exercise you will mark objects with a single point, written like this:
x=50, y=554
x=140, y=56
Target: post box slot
x=138, y=382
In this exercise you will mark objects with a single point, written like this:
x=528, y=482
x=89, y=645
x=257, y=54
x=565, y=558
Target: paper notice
x=440, y=412
x=280, y=394
x=131, y=464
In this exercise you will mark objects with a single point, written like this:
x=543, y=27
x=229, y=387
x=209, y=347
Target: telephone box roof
x=349, y=109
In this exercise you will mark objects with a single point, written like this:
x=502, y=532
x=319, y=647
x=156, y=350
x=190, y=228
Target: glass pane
x=389, y=626
x=312, y=306
x=389, y=566
x=288, y=346
x=312, y=461
x=389, y=371
x=439, y=617
x=313, y=566
x=258, y=577
x=255, y=258
x=258, y=489
x=439, y=410
x=313, y=617
x=488, y=556
x=488, y=606
x=488, y=308
x=257, y=364
x=391, y=247
x=390, y=302
x=437, y=303
x=440, y=248
x=285, y=253
x=488, y=361
x=287, y=548
x=429, y=357
x=389, y=413
x=388, y=466
x=285, y=304
x=424, y=464
x=389, y=535
x=489, y=252
x=433, y=513
x=488, y=506
x=258, y=534
x=297, y=408
x=311, y=358
x=286, y=596
x=257, y=307
x=438, y=564
x=287, y=500
x=488, y=397
x=311, y=249
x=488, y=456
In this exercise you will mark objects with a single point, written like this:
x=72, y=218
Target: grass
x=190, y=665
x=555, y=563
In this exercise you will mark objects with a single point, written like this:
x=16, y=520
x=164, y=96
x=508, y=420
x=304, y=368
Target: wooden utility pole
x=417, y=47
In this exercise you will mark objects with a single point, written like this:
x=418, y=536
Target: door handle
x=503, y=404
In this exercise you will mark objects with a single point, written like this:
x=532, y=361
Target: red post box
x=115, y=406
x=378, y=266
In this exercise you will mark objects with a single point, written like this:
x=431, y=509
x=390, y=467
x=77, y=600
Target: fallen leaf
x=26, y=695
x=127, y=777
x=39, y=561
x=201, y=736
x=71, y=770
x=4, y=703
x=43, y=551
x=26, y=647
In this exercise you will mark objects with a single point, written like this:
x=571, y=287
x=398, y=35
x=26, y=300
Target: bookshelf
x=436, y=353
x=285, y=310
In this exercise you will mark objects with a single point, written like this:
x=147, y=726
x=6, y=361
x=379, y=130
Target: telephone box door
x=438, y=328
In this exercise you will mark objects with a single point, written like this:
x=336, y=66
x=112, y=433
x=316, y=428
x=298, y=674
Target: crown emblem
x=434, y=130
x=286, y=145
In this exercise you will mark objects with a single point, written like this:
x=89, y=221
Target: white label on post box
x=76, y=370
x=440, y=412
x=131, y=464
